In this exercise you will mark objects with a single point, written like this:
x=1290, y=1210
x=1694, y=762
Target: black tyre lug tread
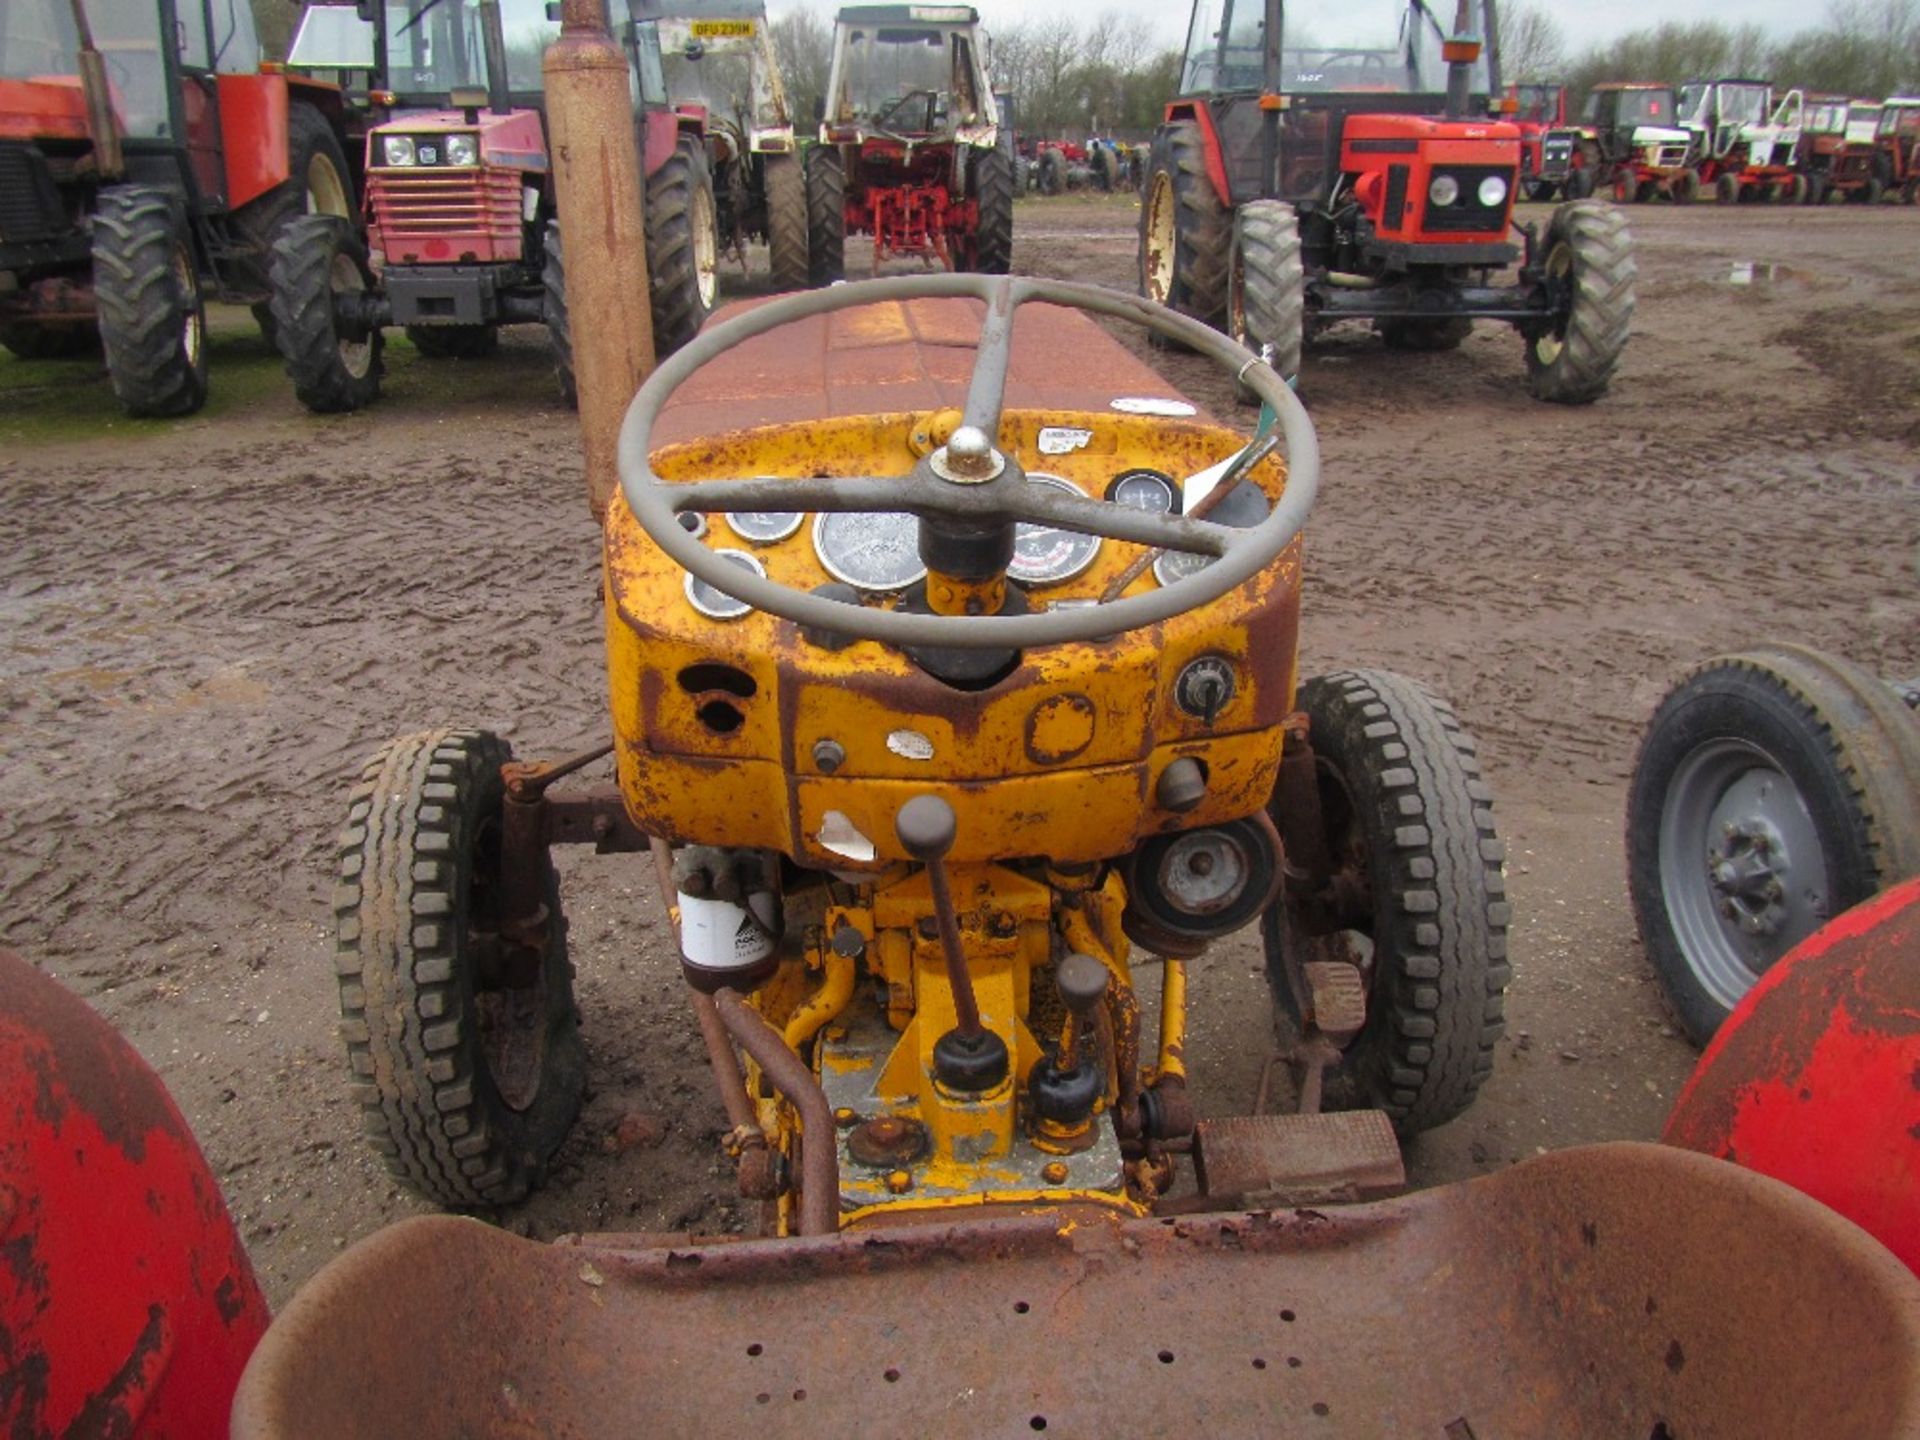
x=302, y=306
x=1273, y=281
x=672, y=267
x=1444, y=1018
x=786, y=193
x=826, y=215
x=1602, y=317
x=136, y=229
x=993, y=190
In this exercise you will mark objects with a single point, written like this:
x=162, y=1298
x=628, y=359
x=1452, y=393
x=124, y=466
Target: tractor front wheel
x=683, y=246
x=1685, y=188
x=786, y=221
x=1186, y=230
x=826, y=215
x=1773, y=790
x=1267, y=284
x=454, y=342
x=1589, y=272
x=1579, y=182
x=334, y=367
x=467, y=1066
x=1416, y=898
x=153, y=323
x=553, y=281
x=1052, y=172
x=989, y=250
x=1626, y=188
x=318, y=183
x=1726, y=189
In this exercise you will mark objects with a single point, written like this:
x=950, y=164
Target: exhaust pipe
x=102, y=129
x=596, y=177
x=1460, y=50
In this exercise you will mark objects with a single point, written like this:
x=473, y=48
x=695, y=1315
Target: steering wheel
x=968, y=481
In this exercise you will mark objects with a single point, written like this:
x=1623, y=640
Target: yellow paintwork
x=1056, y=763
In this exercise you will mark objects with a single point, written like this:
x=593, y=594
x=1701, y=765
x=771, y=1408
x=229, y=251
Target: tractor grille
x=30, y=207
x=1467, y=216
x=468, y=214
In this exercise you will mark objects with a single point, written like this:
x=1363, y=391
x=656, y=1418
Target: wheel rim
x=706, y=248
x=192, y=322
x=1237, y=298
x=511, y=1020
x=1742, y=871
x=1547, y=346
x=326, y=194
x=1160, y=239
x=356, y=356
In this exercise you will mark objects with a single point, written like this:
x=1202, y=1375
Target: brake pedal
x=1339, y=999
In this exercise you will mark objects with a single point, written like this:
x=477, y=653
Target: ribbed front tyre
x=146, y=281
x=1590, y=277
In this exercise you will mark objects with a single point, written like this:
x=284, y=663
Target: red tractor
x=462, y=234
x=1538, y=111
x=147, y=158
x=1898, y=141
x=1629, y=140
x=1356, y=176
x=1841, y=150
x=909, y=148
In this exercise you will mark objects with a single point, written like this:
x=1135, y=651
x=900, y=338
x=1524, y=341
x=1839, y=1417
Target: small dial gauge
x=717, y=604
x=1175, y=565
x=875, y=553
x=764, y=527
x=1147, y=490
x=1043, y=555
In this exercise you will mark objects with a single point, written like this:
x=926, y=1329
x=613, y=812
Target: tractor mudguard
x=127, y=1303
x=1815, y=1077
x=1623, y=1290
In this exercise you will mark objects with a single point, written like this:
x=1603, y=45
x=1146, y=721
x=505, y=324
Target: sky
x=1582, y=24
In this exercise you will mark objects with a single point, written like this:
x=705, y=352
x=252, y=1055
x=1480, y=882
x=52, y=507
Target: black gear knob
x=926, y=827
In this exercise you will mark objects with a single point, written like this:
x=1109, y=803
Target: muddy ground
x=209, y=624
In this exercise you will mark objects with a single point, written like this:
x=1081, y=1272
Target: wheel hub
x=1747, y=870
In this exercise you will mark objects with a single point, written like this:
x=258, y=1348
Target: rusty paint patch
x=1059, y=728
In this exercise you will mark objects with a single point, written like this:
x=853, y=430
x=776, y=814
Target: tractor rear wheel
x=786, y=221
x=1773, y=790
x=1726, y=189
x=1580, y=182
x=468, y=1076
x=1416, y=898
x=318, y=183
x=1685, y=188
x=1186, y=231
x=1052, y=172
x=826, y=215
x=1870, y=192
x=333, y=368
x=33, y=340
x=1267, y=284
x=1626, y=187
x=153, y=323
x=1590, y=270
x=1796, y=190
x=683, y=246
x=989, y=250
x=455, y=342
x=1022, y=175
x=1106, y=168
x=553, y=280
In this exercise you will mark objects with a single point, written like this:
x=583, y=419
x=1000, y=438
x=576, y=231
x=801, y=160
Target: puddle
x=1765, y=272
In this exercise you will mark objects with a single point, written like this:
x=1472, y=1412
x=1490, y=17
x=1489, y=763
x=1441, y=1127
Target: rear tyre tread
x=1203, y=226
x=303, y=314
x=139, y=233
x=553, y=283
x=786, y=222
x=673, y=268
x=826, y=216
x=993, y=196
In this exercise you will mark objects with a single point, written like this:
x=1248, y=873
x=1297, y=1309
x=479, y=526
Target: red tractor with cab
x=1898, y=140
x=147, y=159
x=462, y=231
x=1539, y=111
x=1340, y=170
x=1842, y=152
x=909, y=148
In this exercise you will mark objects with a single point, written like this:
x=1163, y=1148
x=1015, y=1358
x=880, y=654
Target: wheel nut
x=1054, y=1172
x=828, y=755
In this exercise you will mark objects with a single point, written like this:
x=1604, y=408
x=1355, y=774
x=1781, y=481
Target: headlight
x=1493, y=191
x=397, y=150
x=462, y=149
x=1444, y=190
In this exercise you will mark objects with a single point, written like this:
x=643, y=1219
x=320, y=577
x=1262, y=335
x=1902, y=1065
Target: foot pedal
x=1338, y=997
x=1255, y=1160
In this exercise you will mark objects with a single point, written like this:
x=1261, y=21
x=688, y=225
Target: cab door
x=191, y=26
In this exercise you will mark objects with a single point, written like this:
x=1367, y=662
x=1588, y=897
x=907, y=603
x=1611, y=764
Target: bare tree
x=1531, y=45
x=803, y=49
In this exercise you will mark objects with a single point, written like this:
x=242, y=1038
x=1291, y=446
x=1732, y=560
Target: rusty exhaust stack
x=102, y=129
x=596, y=176
x=1460, y=50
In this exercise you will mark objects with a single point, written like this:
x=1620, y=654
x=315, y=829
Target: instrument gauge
x=1176, y=565
x=875, y=553
x=716, y=604
x=764, y=527
x=1147, y=490
x=1044, y=555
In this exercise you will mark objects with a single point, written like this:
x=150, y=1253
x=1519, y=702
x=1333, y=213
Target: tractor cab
x=1897, y=139
x=1713, y=112
x=1538, y=111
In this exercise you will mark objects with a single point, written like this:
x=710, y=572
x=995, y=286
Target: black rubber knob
x=1082, y=981
x=926, y=827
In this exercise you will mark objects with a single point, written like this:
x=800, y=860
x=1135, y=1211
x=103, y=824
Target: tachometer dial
x=875, y=553
x=717, y=604
x=764, y=527
x=1147, y=490
x=1043, y=555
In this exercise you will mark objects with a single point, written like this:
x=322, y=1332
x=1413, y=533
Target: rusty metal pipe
x=602, y=201
x=836, y=988
x=103, y=130
x=819, y=1159
x=1173, y=1019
